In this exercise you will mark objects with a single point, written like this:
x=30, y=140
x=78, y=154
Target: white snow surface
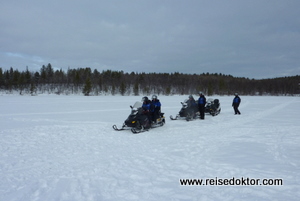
x=64, y=148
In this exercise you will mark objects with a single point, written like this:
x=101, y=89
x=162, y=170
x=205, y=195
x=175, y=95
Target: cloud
x=231, y=37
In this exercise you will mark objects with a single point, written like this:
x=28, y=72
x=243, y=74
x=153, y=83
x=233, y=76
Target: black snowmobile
x=186, y=113
x=213, y=106
x=138, y=122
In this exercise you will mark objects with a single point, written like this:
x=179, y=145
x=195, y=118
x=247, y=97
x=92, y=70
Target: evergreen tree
x=49, y=72
x=136, y=89
x=113, y=90
x=122, y=89
x=43, y=74
x=87, y=87
x=32, y=89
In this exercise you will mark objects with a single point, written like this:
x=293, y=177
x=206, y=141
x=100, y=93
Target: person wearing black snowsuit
x=191, y=107
x=236, y=103
x=155, y=108
x=147, y=109
x=201, y=105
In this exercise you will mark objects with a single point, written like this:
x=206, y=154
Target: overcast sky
x=244, y=38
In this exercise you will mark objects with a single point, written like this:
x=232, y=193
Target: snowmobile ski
x=137, y=131
x=172, y=118
x=118, y=129
x=187, y=118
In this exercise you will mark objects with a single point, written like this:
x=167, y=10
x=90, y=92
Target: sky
x=244, y=38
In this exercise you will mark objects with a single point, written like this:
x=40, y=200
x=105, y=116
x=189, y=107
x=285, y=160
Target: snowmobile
x=139, y=122
x=186, y=113
x=213, y=106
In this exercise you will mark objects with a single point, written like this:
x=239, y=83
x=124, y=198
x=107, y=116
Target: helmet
x=200, y=93
x=190, y=96
x=145, y=99
x=154, y=97
x=236, y=94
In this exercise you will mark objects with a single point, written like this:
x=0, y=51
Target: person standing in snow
x=155, y=108
x=236, y=103
x=201, y=105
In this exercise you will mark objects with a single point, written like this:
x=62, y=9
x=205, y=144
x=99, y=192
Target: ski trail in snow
x=255, y=115
x=217, y=133
x=272, y=142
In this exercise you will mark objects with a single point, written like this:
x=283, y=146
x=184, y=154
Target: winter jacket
x=191, y=103
x=146, y=106
x=202, y=100
x=236, y=101
x=155, y=105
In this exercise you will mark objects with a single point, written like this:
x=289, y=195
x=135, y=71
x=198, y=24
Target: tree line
x=107, y=82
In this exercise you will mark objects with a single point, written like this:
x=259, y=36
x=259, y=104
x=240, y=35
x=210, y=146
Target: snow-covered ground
x=64, y=148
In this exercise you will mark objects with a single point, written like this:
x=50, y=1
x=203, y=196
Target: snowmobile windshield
x=184, y=103
x=210, y=100
x=137, y=105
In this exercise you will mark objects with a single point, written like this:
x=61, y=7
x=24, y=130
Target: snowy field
x=64, y=148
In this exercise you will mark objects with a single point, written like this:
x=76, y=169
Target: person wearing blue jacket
x=236, y=103
x=155, y=108
x=201, y=105
x=146, y=105
x=147, y=108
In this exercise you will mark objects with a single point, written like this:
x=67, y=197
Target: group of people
x=193, y=106
x=152, y=107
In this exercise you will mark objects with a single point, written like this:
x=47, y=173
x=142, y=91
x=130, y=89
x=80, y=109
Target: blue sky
x=254, y=39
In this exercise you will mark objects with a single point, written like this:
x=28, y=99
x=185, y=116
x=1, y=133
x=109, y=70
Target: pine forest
x=91, y=82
